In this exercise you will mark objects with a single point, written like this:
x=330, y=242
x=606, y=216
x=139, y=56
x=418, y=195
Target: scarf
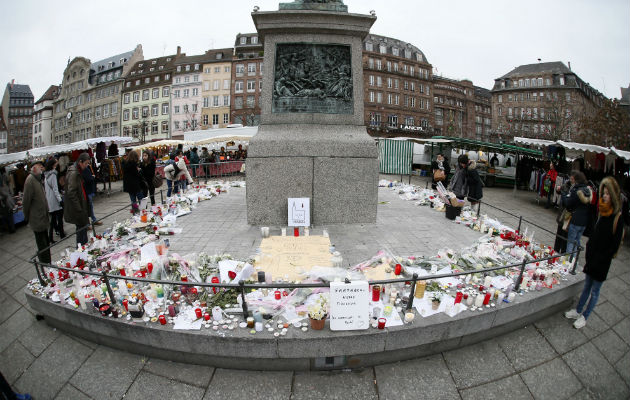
x=605, y=209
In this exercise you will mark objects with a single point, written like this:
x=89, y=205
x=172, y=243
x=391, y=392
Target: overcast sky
x=478, y=40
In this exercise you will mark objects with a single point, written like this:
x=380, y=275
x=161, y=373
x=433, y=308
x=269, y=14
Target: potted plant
x=317, y=313
x=436, y=298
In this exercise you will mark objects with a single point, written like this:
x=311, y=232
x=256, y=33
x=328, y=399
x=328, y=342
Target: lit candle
x=486, y=298
x=479, y=300
x=206, y=317
x=125, y=304
x=277, y=295
x=215, y=279
x=409, y=317
x=381, y=323
x=150, y=267
x=250, y=322
x=296, y=231
x=420, y=288
x=500, y=298
x=376, y=293
x=487, y=281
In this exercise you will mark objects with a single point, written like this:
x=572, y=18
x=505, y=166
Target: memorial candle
x=420, y=288
x=381, y=323
x=162, y=319
x=150, y=267
x=198, y=313
x=215, y=279
x=458, y=297
x=479, y=300
x=125, y=304
x=486, y=298
x=296, y=231
x=277, y=295
x=397, y=269
x=376, y=293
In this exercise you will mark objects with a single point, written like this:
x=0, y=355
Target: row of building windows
x=150, y=128
x=250, y=102
x=533, y=96
x=185, y=92
x=20, y=102
x=393, y=83
x=216, y=85
x=215, y=119
x=20, y=111
x=216, y=69
x=390, y=66
x=395, y=51
x=394, y=99
x=217, y=101
x=147, y=80
x=20, y=121
x=134, y=113
x=532, y=113
x=155, y=93
x=251, y=86
x=531, y=82
x=195, y=78
x=88, y=97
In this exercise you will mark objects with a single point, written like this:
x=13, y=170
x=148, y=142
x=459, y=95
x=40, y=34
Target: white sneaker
x=571, y=314
x=580, y=322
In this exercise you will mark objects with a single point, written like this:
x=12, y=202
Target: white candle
x=479, y=300
x=511, y=297
x=487, y=281
x=409, y=317
x=500, y=298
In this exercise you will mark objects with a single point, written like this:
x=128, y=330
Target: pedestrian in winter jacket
x=600, y=249
x=173, y=172
x=459, y=183
x=35, y=210
x=76, y=209
x=475, y=185
x=576, y=202
x=54, y=199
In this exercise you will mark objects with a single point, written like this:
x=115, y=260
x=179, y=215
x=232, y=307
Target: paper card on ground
x=148, y=253
x=226, y=266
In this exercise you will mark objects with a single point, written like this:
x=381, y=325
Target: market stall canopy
x=165, y=142
x=238, y=134
x=13, y=157
x=580, y=147
x=538, y=143
x=621, y=153
x=471, y=144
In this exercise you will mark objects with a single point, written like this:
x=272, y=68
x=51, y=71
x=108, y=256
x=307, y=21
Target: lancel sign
x=411, y=128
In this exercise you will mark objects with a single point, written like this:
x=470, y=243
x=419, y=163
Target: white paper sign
x=299, y=211
x=349, y=306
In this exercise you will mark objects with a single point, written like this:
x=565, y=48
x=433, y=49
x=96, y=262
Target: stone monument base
x=339, y=175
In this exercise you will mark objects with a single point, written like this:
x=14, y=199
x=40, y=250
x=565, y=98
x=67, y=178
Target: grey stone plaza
x=547, y=359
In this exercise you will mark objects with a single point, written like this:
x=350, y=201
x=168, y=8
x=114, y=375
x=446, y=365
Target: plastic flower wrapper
x=331, y=274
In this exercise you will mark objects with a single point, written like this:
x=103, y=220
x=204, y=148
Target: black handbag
x=157, y=181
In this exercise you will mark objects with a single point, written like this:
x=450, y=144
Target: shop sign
x=411, y=128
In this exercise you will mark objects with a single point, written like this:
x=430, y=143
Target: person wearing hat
x=76, y=208
x=35, y=209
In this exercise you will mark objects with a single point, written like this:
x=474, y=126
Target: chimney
x=569, y=65
x=179, y=50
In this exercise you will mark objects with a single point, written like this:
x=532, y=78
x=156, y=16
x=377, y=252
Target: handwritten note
x=349, y=306
x=293, y=256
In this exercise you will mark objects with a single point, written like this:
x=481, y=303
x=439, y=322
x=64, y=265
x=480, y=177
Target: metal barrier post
x=93, y=229
x=520, y=276
x=109, y=288
x=39, y=275
x=242, y=285
x=161, y=196
x=520, y=220
x=577, y=257
x=412, y=292
x=478, y=209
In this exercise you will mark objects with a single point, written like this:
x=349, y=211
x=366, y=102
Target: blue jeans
x=591, y=287
x=573, y=237
x=91, y=203
x=136, y=197
x=172, y=187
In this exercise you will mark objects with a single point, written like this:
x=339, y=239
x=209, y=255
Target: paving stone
x=551, y=380
x=611, y=346
x=14, y=360
x=430, y=376
x=51, y=370
x=622, y=303
x=623, y=329
x=8, y=306
x=609, y=313
x=595, y=326
x=238, y=385
x=334, y=384
x=13, y=327
x=526, y=347
x=498, y=389
x=38, y=337
x=623, y=367
x=198, y=375
x=595, y=373
x=477, y=364
x=14, y=284
x=147, y=386
x=559, y=331
x=108, y=373
x=69, y=392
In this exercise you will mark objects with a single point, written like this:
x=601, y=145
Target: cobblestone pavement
x=546, y=360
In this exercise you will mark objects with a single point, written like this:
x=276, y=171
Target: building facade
x=146, y=98
x=397, y=80
x=247, y=79
x=43, y=118
x=216, y=90
x=89, y=100
x=186, y=98
x=461, y=109
x=544, y=100
x=3, y=134
x=17, y=108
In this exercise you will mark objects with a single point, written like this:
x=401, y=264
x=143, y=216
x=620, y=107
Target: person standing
x=194, y=161
x=475, y=185
x=148, y=172
x=459, y=184
x=600, y=250
x=441, y=169
x=36, y=210
x=76, y=208
x=132, y=179
x=551, y=177
x=54, y=200
x=576, y=202
x=90, y=190
x=6, y=201
x=174, y=172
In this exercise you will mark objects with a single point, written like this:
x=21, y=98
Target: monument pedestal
x=312, y=141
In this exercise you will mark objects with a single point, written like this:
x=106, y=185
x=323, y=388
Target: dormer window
x=395, y=51
x=219, y=56
x=122, y=61
x=161, y=67
x=154, y=62
x=243, y=40
x=168, y=59
x=179, y=68
x=382, y=49
x=196, y=67
x=254, y=39
x=140, y=65
x=188, y=68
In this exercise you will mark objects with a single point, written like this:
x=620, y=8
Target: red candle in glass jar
x=171, y=310
x=398, y=269
x=193, y=291
x=381, y=323
x=162, y=319
x=198, y=313
x=206, y=317
x=486, y=299
x=150, y=267
x=278, y=295
x=296, y=231
x=122, y=272
x=376, y=293
x=285, y=293
x=458, y=297
x=126, y=304
x=184, y=278
x=465, y=296
x=215, y=279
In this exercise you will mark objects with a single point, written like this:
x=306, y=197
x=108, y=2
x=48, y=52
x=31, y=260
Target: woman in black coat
x=132, y=179
x=148, y=172
x=600, y=249
x=475, y=185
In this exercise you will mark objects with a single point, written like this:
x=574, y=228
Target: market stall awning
x=158, y=143
x=395, y=156
x=621, y=153
x=243, y=134
x=13, y=157
x=472, y=144
x=580, y=147
x=538, y=143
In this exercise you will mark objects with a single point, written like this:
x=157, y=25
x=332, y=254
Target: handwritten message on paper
x=349, y=306
x=293, y=256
